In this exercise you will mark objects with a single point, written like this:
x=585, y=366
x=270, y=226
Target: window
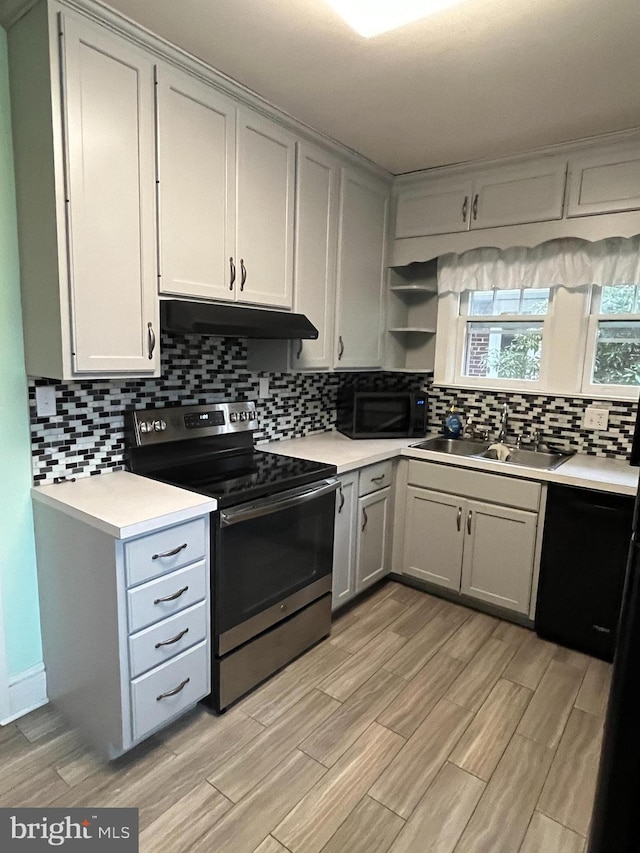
x=613, y=340
x=501, y=335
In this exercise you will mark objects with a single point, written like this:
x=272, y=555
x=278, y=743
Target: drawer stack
x=168, y=623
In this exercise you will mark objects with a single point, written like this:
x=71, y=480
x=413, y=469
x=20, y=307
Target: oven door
x=272, y=557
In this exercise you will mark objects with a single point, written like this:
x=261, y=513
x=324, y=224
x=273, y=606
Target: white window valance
x=569, y=263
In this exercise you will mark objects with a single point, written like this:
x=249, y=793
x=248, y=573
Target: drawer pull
x=174, y=691
x=170, y=553
x=173, y=595
x=173, y=639
x=378, y=479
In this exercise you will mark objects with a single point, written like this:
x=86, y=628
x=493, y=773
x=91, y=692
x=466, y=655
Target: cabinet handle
x=170, y=553
x=232, y=277
x=173, y=639
x=475, y=207
x=459, y=519
x=340, y=347
x=173, y=595
x=243, y=274
x=465, y=208
x=299, y=353
x=469, y=522
x=152, y=339
x=601, y=629
x=174, y=691
x=341, y=499
x=364, y=518
x=377, y=479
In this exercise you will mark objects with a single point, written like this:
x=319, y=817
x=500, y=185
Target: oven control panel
x=175, y=423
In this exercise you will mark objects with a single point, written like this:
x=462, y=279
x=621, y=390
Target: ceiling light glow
x=372, y=17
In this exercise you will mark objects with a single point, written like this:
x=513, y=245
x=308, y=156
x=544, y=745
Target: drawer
x=179, y=590
x=164, y=551
x=493, y=488
x=166, y=639
x=375, y=477
x=185, y=678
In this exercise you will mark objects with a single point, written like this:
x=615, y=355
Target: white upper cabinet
x=226, y=197
x=83, y=125
x=109, y=124
x=439, y=207
x=196, y=187
x=265, y=211
x=525, y=193
x=605, y=182
x=316, y=252
x=361, y=265
x=508, y=195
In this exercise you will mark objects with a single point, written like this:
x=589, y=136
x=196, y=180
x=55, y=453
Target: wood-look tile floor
x=419, y=726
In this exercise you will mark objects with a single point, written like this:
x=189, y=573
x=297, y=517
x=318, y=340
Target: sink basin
x=455, y=446
x=544, y=460
x=541, y=459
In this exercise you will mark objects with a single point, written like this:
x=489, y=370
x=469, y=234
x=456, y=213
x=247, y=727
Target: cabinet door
x=433, y=538
x=196, y=187
x=109, y=103
x=316, y=252
x=512, y=195
x=265, y=211
x=498, y=555
x=344, y=547
x=606, y=182
x=373, y=518
x=440, y=207
x=361, y=263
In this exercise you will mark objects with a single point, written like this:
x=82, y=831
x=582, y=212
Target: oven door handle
x=271, y=505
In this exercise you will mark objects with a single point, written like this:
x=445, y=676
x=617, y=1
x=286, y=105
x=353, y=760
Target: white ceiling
x=484, y=79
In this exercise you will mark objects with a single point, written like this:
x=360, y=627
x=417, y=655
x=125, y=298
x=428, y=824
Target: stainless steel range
x=271, y=538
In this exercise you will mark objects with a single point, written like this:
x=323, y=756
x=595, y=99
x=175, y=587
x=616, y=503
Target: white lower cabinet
x=125, y=625
x=344, y=543
x=482, y=549
x=371, y=560
x=362, y=529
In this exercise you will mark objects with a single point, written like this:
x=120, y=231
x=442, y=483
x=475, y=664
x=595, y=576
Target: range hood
x=232, y=321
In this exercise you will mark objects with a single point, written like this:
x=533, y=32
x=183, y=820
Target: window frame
x=496, y=383
x=611, y=391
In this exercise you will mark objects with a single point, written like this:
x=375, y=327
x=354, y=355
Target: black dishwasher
x=584, y=556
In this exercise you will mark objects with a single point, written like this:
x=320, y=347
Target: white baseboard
x=27, y=691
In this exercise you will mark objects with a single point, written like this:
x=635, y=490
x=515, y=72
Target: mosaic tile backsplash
x=86, y=436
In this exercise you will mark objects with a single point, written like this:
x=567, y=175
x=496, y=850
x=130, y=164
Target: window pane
x=503, y=351
x=535, y=301
x=507, y=302
x=617, y=357
x=481, y=303
x=496, y=302
x=621, y=299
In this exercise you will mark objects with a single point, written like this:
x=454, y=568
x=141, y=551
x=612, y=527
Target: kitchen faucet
x=503, y=424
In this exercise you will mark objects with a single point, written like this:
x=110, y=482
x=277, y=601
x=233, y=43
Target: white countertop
x=333, y=448
x=588, y=472
x=124, y=504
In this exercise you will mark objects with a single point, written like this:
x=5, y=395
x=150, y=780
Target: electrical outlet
x=595, y=418
x=45, y=401
x=263, y=383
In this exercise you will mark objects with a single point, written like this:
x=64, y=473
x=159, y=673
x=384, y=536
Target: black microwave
x=382, y=414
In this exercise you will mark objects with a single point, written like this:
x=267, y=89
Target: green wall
x=18, y=582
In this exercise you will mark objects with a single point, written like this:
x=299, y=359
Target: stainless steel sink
x=455, y=446
x=544, y=460
x=541, y=459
